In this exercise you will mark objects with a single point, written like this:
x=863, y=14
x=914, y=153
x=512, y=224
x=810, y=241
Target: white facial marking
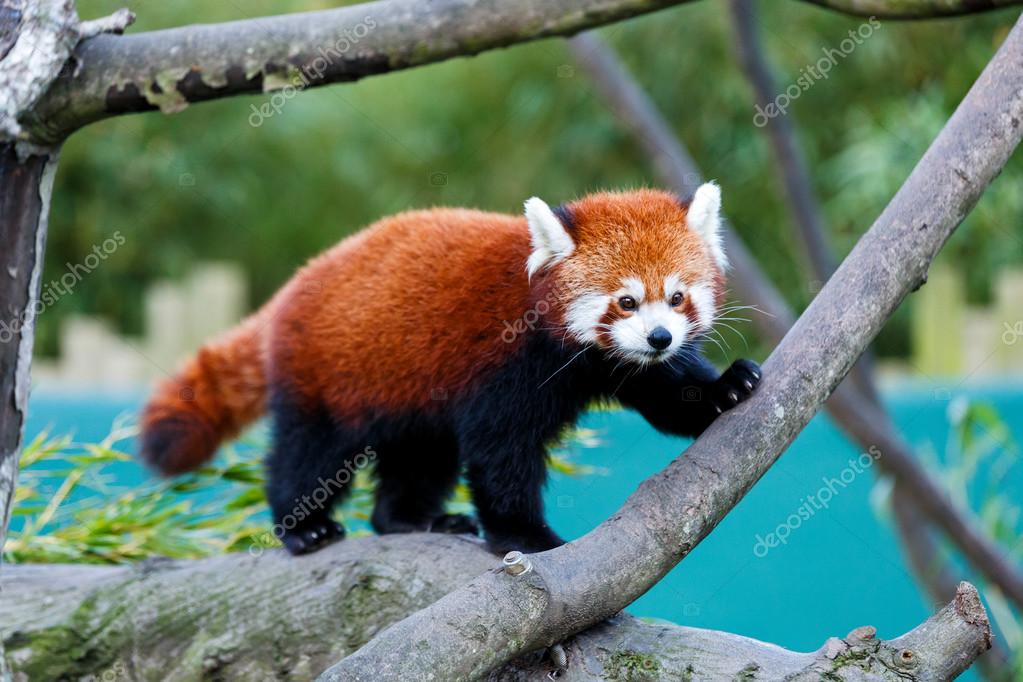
x=673, y=283
x=583, y=314
x=704, y=216
x=630, y=333
x=702, y=295
x=551, y=241
x=632, y=286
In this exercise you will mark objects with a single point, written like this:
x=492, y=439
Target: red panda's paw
x=311, y=534
x=455, y=524
x=735, y=385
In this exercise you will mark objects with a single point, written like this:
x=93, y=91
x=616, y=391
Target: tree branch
x=910, y=524
x=172, y=68
x=932, y=573
x=76, y=621
x=590, y=579
x=795, y=178
x=36, y=41
x=911, y=9
x=867, y=425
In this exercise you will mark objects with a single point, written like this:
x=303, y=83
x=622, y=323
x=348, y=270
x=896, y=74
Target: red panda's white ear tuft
x=704, y=216
x=551, y=241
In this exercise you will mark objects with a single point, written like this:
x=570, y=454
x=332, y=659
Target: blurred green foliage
x=491, y=130
x=72, y=504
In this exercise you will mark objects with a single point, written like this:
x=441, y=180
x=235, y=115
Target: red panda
x=445, y=340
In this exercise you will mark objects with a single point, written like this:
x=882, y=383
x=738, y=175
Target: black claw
x=312, y=536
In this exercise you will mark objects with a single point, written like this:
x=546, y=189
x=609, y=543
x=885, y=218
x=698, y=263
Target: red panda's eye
x=677, y=298
x=627, y=303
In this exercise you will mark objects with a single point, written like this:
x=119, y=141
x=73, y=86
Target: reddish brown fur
x=219, y=391
x=641, y=234
x=411, y=310
x=403, y=313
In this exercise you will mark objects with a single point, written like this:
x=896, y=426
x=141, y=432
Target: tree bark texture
x=241, y=617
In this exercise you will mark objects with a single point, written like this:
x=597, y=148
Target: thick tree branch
x=861, y=421
x=75, y=621
x=35, y=41
x=172, y=68
x=169, y=69
x=910, y=523
x=587, y=580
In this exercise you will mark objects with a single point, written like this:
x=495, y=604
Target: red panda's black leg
x=415, y=479
x=684, y=399
x=309, y=469
x=507, y=477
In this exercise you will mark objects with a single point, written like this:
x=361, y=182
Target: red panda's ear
x=550, y=238
x=704, y=216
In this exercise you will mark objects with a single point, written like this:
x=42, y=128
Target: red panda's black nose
x=659, y=338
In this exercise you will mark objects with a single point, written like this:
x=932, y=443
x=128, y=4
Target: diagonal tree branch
x=863, y=423
x=500, y=614
x=910, y=523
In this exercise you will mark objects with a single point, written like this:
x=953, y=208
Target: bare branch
x=794, y=175
x=910, y=524
x=932, y=572
x=170, y=69
x=864, y=423
x=115, y=23
x=911, y=9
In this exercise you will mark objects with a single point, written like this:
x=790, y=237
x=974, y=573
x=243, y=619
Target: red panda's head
x=639, y=274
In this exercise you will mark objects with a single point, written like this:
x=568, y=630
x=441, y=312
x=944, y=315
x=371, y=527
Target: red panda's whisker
x=563, y=366
x=734, y=331
x=715, y=342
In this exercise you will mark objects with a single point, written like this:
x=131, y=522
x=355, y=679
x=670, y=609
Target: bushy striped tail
x=219, y=390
